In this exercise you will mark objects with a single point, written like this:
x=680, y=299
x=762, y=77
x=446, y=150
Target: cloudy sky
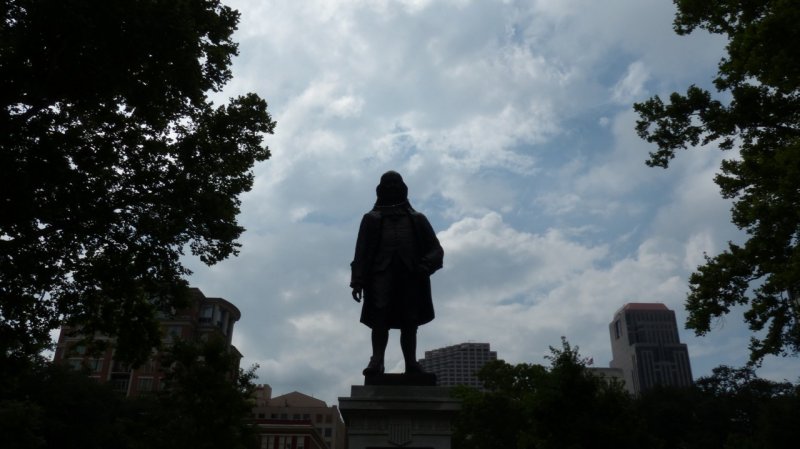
x=511, y=122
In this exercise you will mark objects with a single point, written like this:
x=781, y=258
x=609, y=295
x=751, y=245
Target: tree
x=754, y=412
x=206, y=404
x=497, y=417
x=113, y=161
x=761, y=119
x=675, y=417
x=45, y=405
x=206, y=401
x=731, y=409
x=574, y=408
x=531, y=406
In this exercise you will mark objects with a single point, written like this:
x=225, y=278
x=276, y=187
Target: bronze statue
x=396, y=252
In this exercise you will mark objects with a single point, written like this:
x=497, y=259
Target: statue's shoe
x=374, y=367
x=414, y=368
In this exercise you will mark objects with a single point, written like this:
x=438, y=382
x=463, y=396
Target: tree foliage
x=759, y=80
x=113, y=161
x=206, y=405
x=532, y=406
x=731, y=408
x=46, y=405
x=565, y=406
x=205, y=402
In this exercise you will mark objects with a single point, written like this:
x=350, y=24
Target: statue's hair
x=380, y=190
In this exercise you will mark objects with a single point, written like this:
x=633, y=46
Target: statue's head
x=392, y=189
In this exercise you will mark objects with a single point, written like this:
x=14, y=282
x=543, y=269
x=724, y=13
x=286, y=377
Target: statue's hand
x=357, y=293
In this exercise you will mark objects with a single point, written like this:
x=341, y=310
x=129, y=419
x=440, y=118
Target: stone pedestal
x=391, y=416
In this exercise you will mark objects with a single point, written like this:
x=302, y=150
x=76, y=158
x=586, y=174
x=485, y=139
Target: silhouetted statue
x=396, y=252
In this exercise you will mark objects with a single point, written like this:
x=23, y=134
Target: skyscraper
x=458, y=364
x=646, y=347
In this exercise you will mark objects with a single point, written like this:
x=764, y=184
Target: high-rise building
x=204, y=316
x=645, y=345
x=458, y=364
x=296, y=420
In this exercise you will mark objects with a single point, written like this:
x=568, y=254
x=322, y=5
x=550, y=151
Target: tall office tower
x=646, y=347
x=458, y=364
x=204, y=316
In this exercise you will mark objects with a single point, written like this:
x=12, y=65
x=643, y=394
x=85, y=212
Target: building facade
x=609, y=375
x=645, y=345
x=288, y=434
x=204, y=316
x=296, y=420
x=458, y=364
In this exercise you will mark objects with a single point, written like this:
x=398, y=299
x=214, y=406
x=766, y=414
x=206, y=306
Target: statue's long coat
x=427, y=252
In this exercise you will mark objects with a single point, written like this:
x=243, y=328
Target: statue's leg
x=408, y=343
x=380, y=337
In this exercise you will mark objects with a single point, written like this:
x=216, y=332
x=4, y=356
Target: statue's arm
x=433, y=259
x=358, y=267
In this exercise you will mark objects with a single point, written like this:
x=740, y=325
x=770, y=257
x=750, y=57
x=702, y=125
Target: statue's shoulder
x=371, y=219
x=418, y=216
x=372, y=215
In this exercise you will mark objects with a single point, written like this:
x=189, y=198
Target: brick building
x=284, y=421
x=203, y=317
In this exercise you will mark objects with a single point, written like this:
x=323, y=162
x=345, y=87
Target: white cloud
x=631, y=86
x=319, y=325
x=511, y=123
x=493, y=262
x=346, y=106
x=697, y=245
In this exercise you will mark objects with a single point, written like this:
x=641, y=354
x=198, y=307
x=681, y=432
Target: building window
x=120, y=384
x=206, y=314
x=328, y=419
x=145, y=384
x=617, y=328
x=95, y=365
x=328, y=431
x=319, y=417
x=119, y=367
x=149, y=367
x=223, y=321
x=77, y=350
x=173, y=332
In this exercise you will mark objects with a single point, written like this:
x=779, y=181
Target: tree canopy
x=114, y=161
x=207, y=403
x=757, y=113
x=565, y=406
x=731, y=408
x=532, y=406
